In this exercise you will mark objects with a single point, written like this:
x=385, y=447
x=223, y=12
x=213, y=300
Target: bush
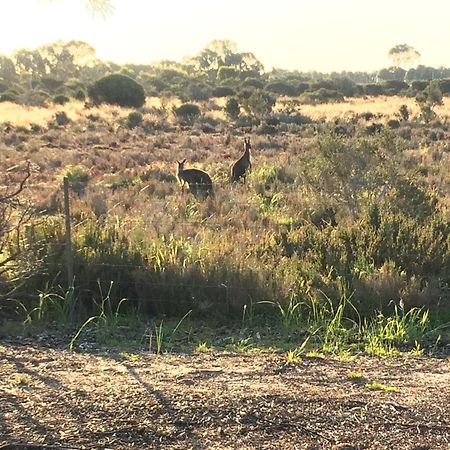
x=80, y=95
x=223, y=91
x=419, y=85
x=253, y=82
x=227, y=72
x=373, y=89
x=445, y=86
x=199, y=91
x=321, y=96
x=51, y=84
x=297, y=119
x=245, y=121
x=61, y=118
x=134, y=119
x=60, y=99
x=393, y=123
x=77, y=176
x=322, y=84
x=302, y=87
x=259, y=103
x=232, y=108
x=404, y=112
x=187, y=113
x=3, y=87
x=345, y=86
x=7, y=97
x=281, y=88
x=117, y=89
x=394, y=87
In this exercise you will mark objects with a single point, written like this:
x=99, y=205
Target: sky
x=322, y=35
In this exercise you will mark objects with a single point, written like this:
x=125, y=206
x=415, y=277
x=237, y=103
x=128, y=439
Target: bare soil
x=52, y=398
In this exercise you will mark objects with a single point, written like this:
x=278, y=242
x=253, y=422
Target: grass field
x=343, y=219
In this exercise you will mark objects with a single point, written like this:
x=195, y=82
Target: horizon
x=344, y=36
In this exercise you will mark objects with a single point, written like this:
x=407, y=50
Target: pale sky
x=323, y=35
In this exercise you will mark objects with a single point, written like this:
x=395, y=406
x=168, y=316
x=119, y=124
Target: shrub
x=223, y=91
x=393, y=123
x=134, y=119
x=80, y=95
x=119, y=90
x=60, y=99
x=187, y=112
x=227, y=72
x=266, y=128
x=7, y=97
x=3, y=87
x=61, y=118
x=245, y=121
x=321, y=96
x=419, y=85
x=199, y=91
x=259, y=103
x=444, y=85
x=322, y=84
x=232, y=108
x=345, y=86
x=297, y=119
x=434, y=93
x=77, y=176
x=253, y=82
x=51, y=84
x=302, y=87
x=281, y=88
x=373, y=89
x=394, y=87
x=404, y=112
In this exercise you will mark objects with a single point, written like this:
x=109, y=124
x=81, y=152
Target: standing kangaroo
x=243, y=164
x=199, y=182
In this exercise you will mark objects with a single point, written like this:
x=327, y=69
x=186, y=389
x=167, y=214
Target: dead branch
x=20, y=188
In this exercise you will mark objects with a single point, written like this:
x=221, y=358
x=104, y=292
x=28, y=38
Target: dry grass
x=24, y=116
x=386, y=106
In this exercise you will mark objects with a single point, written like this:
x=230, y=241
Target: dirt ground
x=53, y=398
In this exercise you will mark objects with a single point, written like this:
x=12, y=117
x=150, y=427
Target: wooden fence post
x=69, y=250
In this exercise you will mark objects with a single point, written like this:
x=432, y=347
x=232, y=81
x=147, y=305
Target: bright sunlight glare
x=323, y=35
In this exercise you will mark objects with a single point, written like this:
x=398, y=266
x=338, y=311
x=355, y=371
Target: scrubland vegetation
x=338, y=240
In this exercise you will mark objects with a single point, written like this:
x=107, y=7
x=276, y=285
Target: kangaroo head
x=247, y=144
x=181, y=164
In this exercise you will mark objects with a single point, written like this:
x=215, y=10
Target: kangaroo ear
x=184, y=160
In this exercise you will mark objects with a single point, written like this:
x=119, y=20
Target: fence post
x=69, y=250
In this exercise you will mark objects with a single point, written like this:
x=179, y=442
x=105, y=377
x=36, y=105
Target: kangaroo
x=199, y=182
x=243, y=164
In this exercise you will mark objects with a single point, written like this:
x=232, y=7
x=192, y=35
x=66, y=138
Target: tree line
x=218, y=70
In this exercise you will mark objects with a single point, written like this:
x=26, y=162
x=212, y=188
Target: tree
x=65, y=59
x=391, y=73
x=258, y=104
x=7, y=69
x=403, y=55
x=232, y=108
x=18, y=261
x=224, y=53
x=102, y=7
x=30, y=62
x=226, y=73
x=428, y=99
